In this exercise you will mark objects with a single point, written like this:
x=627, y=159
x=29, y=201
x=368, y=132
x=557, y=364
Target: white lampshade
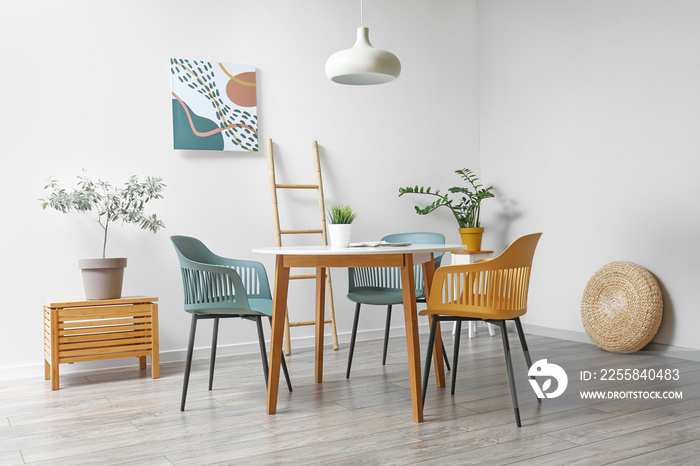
x=363, y=64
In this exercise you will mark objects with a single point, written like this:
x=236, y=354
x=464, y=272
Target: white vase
x=339, y=235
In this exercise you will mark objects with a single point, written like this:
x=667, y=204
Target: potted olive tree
x=103, y=277
x=340, y=218
x=466, y=209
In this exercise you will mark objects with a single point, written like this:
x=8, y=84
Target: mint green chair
x=216, y=287
x=381, y=286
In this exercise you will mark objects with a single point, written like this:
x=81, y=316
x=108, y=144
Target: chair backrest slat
x=390, y=277
x=500, y=289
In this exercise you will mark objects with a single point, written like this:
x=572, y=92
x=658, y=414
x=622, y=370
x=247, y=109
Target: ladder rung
x=296, y=186
x=301, y=277
x=309, y=322
x=299, y=232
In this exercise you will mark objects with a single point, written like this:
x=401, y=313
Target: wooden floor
x=125, y=417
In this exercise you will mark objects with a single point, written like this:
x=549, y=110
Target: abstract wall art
x=214, y=106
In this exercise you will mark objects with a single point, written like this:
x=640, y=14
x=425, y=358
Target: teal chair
x=381, y=286
x=216, y=287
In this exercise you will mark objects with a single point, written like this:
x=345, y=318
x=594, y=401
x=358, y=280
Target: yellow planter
x=471, y=238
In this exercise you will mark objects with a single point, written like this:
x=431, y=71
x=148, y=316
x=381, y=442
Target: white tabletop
x=328, y=251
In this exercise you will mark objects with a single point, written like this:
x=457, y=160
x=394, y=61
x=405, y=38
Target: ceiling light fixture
x=363, y=64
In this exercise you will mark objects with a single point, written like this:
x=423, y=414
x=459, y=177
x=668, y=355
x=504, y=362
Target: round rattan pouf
x=621, y=307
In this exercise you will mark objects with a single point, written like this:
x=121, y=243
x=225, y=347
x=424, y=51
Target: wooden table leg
x=320, y=318
x=438, y=361
x=412, y=342
x=276, y=340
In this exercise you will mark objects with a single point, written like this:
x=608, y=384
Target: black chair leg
x=526, y=351
x=455, y=354
x=444, y=356
x=212, y=359
x=286, y=373
x=444, y=353
x=509, y=366
x=283, y=361
x=386, y=333
x=352, y=339
x=429, y=356
x=188, y=361
x=263, y=350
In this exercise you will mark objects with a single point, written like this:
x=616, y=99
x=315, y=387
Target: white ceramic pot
x=339, y=235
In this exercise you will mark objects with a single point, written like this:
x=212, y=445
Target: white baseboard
x=570, y=335
x=37, y=370
x=582, y=337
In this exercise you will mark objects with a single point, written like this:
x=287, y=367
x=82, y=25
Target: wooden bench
x=89, y=330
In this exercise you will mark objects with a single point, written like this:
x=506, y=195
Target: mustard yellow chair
x=493, y=290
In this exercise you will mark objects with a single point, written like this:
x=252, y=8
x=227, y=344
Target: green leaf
x=339, y=213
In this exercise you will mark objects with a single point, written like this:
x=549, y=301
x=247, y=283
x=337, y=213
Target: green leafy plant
x=339, y=213
x=466, y=209
x=111, y=203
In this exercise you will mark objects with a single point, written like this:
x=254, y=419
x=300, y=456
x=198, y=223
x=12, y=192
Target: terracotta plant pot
x=103, y=278
x=471, y=238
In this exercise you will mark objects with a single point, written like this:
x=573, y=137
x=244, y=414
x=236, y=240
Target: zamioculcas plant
x=466, y=209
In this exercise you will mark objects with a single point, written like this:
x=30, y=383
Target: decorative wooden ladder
x=322, y=231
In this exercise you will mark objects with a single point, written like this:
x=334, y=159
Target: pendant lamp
x=363, y=64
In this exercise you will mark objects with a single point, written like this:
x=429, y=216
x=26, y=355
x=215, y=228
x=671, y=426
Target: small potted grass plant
x=103, y=277
x=340, y=218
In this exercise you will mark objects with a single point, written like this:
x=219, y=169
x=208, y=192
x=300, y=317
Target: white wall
x=86, y=85
x=589, y=129
x=584, y=113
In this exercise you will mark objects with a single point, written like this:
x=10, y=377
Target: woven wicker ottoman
x=621, y=307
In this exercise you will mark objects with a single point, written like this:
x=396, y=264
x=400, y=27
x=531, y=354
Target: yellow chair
x=493, y=290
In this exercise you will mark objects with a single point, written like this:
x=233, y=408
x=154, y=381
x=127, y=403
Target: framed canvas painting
x=214, y=106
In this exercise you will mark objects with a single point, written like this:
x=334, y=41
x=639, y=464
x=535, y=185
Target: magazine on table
x=374, y=244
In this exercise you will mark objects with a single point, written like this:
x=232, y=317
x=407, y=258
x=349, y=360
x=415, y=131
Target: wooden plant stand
x=89, y=330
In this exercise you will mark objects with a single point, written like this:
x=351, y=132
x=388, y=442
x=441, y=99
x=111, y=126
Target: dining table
x=405, y=257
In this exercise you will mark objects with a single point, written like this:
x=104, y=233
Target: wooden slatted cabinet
x=89, y=330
